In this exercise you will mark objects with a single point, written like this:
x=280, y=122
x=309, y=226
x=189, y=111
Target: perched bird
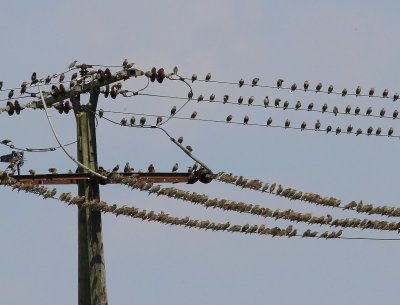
x=127, y=168
x=357, y=111
x=195, y=167
x=189, y=148
x=32, y=172
x=175, y=167
x=226, y=98
x=190, y=94
x=318, y=87
x=330, y=89
x=241, y=82
x=293, y=87
x=254, y=81
x=328, y=129
x=390, y=132
x=272, y=187
x=190, y=169
x=369, y=111
x=212, y=97
x=10, y=94
x=395, y=114
x=269, y=121
x=123, y=122
x=371, y=92
x=125, y=62
x=34, y=79
x=349, y=128
x=173, y=110
x=310, y=106
x=396, y=97
x=74, y=76
x=62, y=77
x=369, y=130
x=266, y=102
x=194, y=77
x=303, y=125
x=298, y=105
x=229, y=118
x=200, y=98
x=194, y=114
x=6, y=141
x=348, y=109
x=1, y=85
x=142, y=121
x=305, y=86
x=132, y=120
x=359, y=131
x=23, y=87
x=277, y=101
x=159, y=120
x=251, y=100
x=285, y=105
x=287, y=123
x=151, y=169
x=317, y=125
x=175, y=70
x=72, y=64
x=53, y=170
x=338, y=130
x=279, y=83
x=344, y=92
x=385, y=93
x=335, y=110
x=180, y=140
x=208, y=77
x=382, y=112
x=246, y=119
x=240, y=100
x=116, y=168
x=358, y=90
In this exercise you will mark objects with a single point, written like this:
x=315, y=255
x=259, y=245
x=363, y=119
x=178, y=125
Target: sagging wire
x=59, y=142
x=293, y=194
x=8, y=143
x=254, y=209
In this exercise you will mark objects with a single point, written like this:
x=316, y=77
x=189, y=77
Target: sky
x=344, y=43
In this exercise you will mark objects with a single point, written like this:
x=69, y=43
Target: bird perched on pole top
x=254, y=81
x=175, y=167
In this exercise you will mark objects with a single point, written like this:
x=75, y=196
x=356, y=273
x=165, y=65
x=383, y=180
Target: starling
x=23, y=87
x=324, y=108
x=1, y=85
x=254, y=81
x=390, y=132
x=194, y=77
x=229, y=118
x=246, y=119
x=358, y=90
x=251, y=100
x=159, y=120
x=298, y=105
x=385, y=93
x=123, y=122
x=47, y=79
x=317, y=125
x=125, y=62
x=318, y=87
x=382, y=112
x=62, y=77
x=190, y=169
x=279, y=83
x=241, y=82
x=175, y=70
x=335, y=110
x=285, y=105
x=208, y=77
x=10, y=94
x=115, y=169
x=72, y=64
x=266, y=102
x=310, y=106
x=195, y=167
x=277, y=101
x=269, y=121
x=330, y=89
x=357, y=111
x=175, y=167
x=348, y=108
x=369, y=111
x=53, y=170
x=173, y=110
x=132, y=121
x=272, y=187
x=180, y=140
x=240, y=100
x=127, y=168
x=226, y=98
x=359, y=131
x=151, y=169
x=328, y=129
x=349, y=128
x=338, y=130
x=34, y=79
x=189, y=148
x=395, y=97
x=369, y=130
x=74, y=76
x=194, y=114
x=395, y=114
x=344, y=92
x=306, y=85
x=142, y=121
x=32, y=172
x=212, y=97
x=190, y=94
x=303, y=125
x=378, y=131
x=6, y=141
x=371, y=92
x=293, y=87
x=200, y=98
x=287, y=123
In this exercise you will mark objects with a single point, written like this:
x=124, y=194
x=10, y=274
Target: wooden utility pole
x=91, y=266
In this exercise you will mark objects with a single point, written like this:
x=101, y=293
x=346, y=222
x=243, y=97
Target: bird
x=369, y=111
x=246, y=119
x=358, y=90
x=324, y=108
x=6, y=141
x=338, y=130
x=396, y=97
x=310, y=106
x=10, y=94
x=371, y=92
x=190, y=95
x=132, y=120
x=385, y=93
x=240, y=100
x=369, y=130
x=159, y=120
x=127, y=168
x=395, y=114
x=378, y=131
x=279, y=83
x=123, y=122
x=226, y=98
x=189, y=148
x=151, y=169
x=194, y=114
x=200, y=98
x=298, y=105
x=125, y=62
x=266, y=102
x=359, y=131
x=229, y=118
x=74, y=76
x=241, y=82
x=195, y=167
x=305, y=86
x=32, y=172
x=173, y=110
x=1, y=85
x=208, y=77
x=61, y=78
x=254, y=81
x=335, y=110
x=303, y=125
x=277, y=101
x=318, y=87
x=272, y=187
x=269, y=121
x=142, y=121
x=357, y=110
x=72, y=64
x=175, y=70
x=328, y=129
x=317, y=125
x=348, y=108
x=34, y=79
x=53, y=170
x=287, y=123
x=251, y=100
x=212, y=97
x=330, y=89
x=382, y=112
x=349, y=128
x=194, y=77
x=344, y=92
x=293, y=87
x=116, y=168
x=285, y=105
x=175, y=167
x=390, y=132
x=190, y=169
x=23, y=87
x=180, y=140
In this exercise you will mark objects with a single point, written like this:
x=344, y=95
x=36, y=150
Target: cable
x=28, y=149
x=59, y=142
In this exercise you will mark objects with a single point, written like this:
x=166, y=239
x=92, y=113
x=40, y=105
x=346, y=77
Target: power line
x=8, y=143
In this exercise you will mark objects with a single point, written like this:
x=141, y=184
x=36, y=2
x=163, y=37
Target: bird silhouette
x=293, y=87
x=194, y=114
x=132, y=120
x=310, y=106
x=1, y=85
x=151, y=169
x=116, y=168
x=240, y=100
x=369, y=111
x=371, y=92
x=349, y=128
x=358, y=90
x=359, y=131
x=200, y=98
x=324, y=108
x=298, y=105
x=382, y=112
x=335, y=110
x=23, y=87
x=194, y=77
x=175, y=167
x=123, y=122
x=180, y=140
x=226, y=98
x=390, y=132
x=277, y=101
x=34, y=79
x=251, y=100
x=378, y=131
x=53, y=170
x=72, y=64
x=369, y=130
x=279, y=83
x=395, y=114
x=338, y=130
x=330, y=89
x=318, y=87
x=229, y=118
x=317, y=125
x=348, y=108
x=208, y=77
x=32, y=172
x=212, y=97
x=127, y=168
x=305, y=86
x=190, y=95
x=328, y=129
x=241, y=82
x=246, y=119
x=159, y=120
x=303, y=125
x=254, y=81
x=10, y=94
x=266, y=102
x=357, y=111
x=142, y=121
x=269, y=121
x=189, y=148
x=344, y=92
x=173, y=110
x=396, y=97
x=285, y=105
x=175, y=70
x=287, y=123
x=272, y=187
x=385, y=93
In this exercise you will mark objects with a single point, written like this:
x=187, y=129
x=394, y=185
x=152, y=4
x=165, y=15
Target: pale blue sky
x=340, y=42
